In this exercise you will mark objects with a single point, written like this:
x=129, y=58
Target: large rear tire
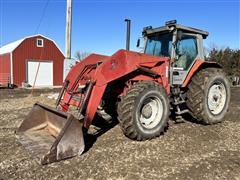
x=208, y=95
x=144, y=111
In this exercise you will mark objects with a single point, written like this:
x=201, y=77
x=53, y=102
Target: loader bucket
x=50, y=135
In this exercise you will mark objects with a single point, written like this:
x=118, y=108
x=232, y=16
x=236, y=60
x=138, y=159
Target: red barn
x=21, y=60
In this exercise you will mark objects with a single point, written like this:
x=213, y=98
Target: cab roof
x=168, y=27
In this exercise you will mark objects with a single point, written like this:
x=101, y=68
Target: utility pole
x=68, y=29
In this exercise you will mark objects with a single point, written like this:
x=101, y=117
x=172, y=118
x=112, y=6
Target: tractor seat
x=182, y=62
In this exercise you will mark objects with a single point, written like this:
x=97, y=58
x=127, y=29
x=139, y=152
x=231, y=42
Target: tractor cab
x=183, y=45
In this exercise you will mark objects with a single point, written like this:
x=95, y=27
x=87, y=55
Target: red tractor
x=142, y=89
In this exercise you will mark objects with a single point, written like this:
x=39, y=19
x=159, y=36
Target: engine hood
x=112, y=67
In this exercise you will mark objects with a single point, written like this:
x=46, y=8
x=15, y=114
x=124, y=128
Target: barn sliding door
x=45, y=73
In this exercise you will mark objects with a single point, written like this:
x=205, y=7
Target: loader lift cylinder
x=128, y=34
x=83, y=105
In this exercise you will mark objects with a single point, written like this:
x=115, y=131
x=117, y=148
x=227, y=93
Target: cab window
x=159, y=45
x=186, y=52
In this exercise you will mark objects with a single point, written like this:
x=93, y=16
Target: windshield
x=159, y=45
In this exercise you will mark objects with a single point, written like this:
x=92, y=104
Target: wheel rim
x=151, y=112
x=217, y=98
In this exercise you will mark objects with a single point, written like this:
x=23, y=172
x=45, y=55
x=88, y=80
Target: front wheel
x=209, y=95
x=144, y=111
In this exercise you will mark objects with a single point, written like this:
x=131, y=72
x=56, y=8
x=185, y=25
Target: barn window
x=39, y=42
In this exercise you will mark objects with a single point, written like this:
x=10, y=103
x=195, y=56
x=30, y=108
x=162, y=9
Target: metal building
x=21, y=60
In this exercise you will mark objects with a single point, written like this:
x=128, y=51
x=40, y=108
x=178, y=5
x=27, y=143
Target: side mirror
x=138, y=43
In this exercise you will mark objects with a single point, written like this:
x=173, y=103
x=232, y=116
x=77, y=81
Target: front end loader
x=137, y=88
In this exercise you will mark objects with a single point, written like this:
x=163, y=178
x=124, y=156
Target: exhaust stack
x=128, y=34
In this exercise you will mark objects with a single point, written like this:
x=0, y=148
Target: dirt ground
x=186, y=151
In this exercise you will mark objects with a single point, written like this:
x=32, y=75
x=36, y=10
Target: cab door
x=186, y=53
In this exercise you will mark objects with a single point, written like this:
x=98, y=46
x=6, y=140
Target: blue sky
x=98, y=25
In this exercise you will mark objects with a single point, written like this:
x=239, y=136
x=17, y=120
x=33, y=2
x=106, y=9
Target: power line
x=41, y=53
x=42, y=16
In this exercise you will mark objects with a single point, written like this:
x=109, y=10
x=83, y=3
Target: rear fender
x=198, y=65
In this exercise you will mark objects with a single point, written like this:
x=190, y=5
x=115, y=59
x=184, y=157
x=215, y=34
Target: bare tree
x=228, y=58
x=81, y=55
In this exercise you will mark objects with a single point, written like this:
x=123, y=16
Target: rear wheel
x=144, y=111
x=209, y=95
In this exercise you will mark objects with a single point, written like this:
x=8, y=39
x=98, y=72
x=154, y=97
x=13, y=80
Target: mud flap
x=50, y=135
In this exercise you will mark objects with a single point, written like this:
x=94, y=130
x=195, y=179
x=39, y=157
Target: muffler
x=50, y=135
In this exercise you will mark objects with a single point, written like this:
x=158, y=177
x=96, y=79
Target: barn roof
x=9, y=48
